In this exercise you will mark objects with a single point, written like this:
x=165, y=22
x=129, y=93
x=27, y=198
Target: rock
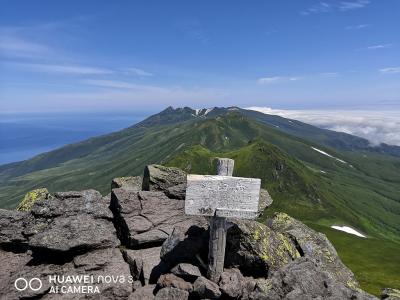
x=206, y=289
x=176, y=191
x=160, y=178
x=10, y=264
x=72, y=222
x=68, y=204
x=74, y=234
x=390, y=294
x=186, y=271
x=32, y=197
x=170, y=293
x=265, y=200
x=128, y=183
x=256, y=250
x=171, y=280
x=98, y=263
x=231, y=283
x=303, y=279
x=12, y=225
x=185, y=246
x=145, y=264
x=143, y=293
x=313, y=244
x=147, y=218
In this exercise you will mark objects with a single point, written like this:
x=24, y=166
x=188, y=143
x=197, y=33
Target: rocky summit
x=137, y=243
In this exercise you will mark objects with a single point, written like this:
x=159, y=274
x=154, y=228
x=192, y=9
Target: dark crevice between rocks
x=297, y=245
x=46, y=256
x=145, y=245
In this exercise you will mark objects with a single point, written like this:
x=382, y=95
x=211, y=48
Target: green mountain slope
x=346, y=187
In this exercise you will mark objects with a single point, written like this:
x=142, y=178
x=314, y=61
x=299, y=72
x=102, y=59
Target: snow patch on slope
x=327, y=154
x=348, y=230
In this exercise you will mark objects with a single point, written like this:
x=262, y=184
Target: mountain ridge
x=164, y=136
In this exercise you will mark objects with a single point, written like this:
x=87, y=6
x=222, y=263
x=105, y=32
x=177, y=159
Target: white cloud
x=277, y=79
x=326, y=7
x=269, y=80
x=138, y=72
x=330, y=74
x=390, y=70
x=379, y=46
x=376, y=126
x=120, y=85
x=63, y=69
x=350, y=5
x=16, y=47
x=356, y=27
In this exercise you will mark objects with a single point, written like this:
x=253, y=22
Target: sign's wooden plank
x=235, y=213
x=206, y=193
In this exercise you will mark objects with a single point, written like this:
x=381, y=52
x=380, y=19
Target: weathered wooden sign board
x=222, y=196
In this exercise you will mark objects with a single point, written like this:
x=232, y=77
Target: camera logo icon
x=34, y=284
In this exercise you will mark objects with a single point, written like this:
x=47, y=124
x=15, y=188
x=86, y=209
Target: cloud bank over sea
x=376, y=126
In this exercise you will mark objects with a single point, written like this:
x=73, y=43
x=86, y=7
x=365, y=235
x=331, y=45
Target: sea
x=25, y=135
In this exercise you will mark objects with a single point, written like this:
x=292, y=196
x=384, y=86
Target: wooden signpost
x=221, y=197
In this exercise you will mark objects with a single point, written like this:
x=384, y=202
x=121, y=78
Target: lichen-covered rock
x=303, y=278
x=147, y=218
x=206, y=289
x=32, y=197
x=129, y=183
x=313, y=244
x=390, y=294
x=160, y=178
x=256, y=250
x=72, y=222
x=171, y=293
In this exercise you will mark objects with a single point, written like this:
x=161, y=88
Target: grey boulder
x=186, y=271
x=171, y=293
x=206, y=289
x=313, y=244
x=129, y=183
x=145, y=264
x=160, y=178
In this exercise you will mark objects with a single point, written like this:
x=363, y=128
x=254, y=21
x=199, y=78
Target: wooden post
x=218, y=230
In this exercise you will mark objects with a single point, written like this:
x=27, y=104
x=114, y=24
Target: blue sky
x=146, y=55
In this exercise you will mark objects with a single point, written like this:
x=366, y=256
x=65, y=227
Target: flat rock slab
x=147, y=218
x=73, y=222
